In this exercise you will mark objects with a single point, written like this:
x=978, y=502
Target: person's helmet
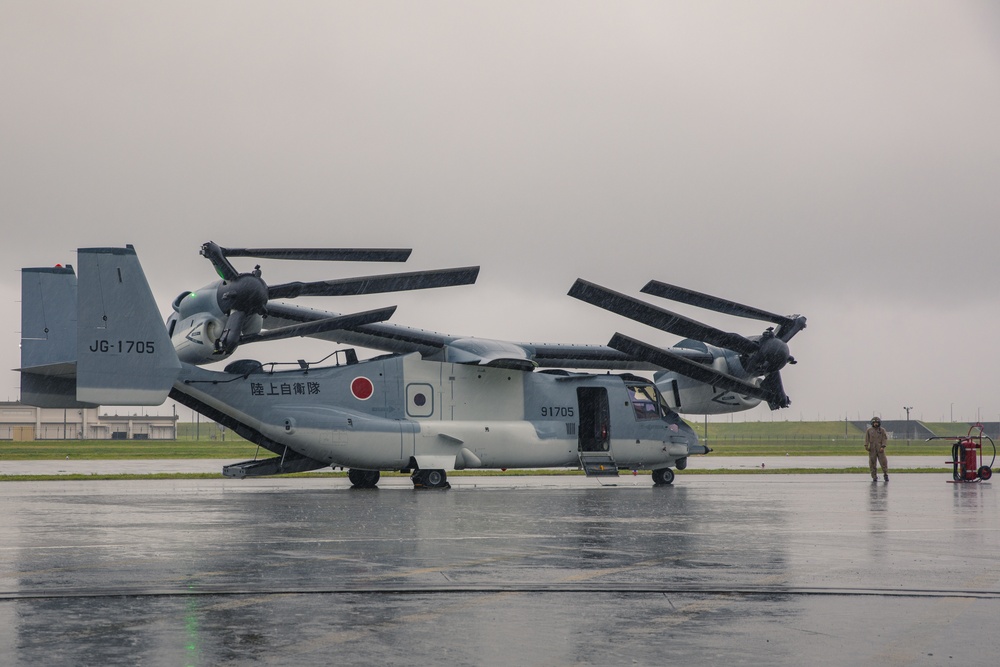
x=876, y=421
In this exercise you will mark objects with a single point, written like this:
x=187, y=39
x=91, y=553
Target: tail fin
x=48, y=337
x=124, y=356
x=98, y=340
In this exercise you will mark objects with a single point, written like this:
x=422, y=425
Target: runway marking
x=679, y=615
x=923, y=637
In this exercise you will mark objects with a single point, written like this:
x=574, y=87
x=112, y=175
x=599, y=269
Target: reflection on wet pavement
x=548, y=570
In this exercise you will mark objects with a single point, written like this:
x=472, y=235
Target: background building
x=21, y=422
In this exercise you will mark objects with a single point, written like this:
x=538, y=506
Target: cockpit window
x=645, y=401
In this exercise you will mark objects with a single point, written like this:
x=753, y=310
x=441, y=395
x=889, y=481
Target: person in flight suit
x=875, y=442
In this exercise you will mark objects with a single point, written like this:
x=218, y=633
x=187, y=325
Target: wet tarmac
x=71, y=466
x=716, y=569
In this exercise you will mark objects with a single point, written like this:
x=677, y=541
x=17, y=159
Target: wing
x=394, y=338
x=435, y=346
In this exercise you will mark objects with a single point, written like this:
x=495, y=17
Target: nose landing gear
x=663, y=476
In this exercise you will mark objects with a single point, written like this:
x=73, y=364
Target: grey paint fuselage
x=391, y=412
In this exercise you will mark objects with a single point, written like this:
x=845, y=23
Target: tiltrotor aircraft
x=433, y=403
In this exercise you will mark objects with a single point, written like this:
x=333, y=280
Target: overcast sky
x=837, y=160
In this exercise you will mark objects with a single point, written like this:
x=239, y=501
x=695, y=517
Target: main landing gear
x=422, y=479
x=363, y=479
x=663, y=476
x=430, y=479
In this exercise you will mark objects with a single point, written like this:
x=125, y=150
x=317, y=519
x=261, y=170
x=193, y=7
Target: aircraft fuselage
x=401, y=412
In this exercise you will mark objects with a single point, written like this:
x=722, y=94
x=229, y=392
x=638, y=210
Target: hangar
x=20, y=422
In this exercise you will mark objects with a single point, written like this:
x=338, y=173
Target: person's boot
x=886, y=477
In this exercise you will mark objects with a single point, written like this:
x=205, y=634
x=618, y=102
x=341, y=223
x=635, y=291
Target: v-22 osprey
x=430, y=404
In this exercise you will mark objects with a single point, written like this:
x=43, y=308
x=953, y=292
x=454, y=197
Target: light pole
x=907, y=424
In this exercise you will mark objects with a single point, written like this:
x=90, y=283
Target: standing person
x=875, y=442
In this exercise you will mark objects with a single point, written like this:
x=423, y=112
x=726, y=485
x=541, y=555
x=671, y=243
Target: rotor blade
x=321, y=326
x=772, y=384
x=709, y=302
x=664, y=320
x=785, y=332
x=217, y=256
x=692, y=369
x=324, y=254
x=789, y=325
x=396, y=282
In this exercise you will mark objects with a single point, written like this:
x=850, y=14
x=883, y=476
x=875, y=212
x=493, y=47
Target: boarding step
x=279, y=465
x=598, y=464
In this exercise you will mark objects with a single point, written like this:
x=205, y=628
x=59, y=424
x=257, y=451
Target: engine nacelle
x=691, y=397
x=198, y=321
x=194, y=338
x=694, y=398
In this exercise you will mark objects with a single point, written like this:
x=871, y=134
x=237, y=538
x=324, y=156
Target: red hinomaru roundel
x=362, y=388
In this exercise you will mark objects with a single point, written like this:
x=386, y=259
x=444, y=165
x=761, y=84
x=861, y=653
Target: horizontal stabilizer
x=124, y=356
x=51, y=391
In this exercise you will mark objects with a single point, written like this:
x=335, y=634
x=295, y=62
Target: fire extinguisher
x=967, y=457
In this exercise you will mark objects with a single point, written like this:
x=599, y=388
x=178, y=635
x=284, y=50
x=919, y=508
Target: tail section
x=48, y=337
x=124, y=356
x=94, y=340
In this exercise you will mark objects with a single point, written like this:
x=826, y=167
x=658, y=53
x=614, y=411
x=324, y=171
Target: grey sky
x=838, y=160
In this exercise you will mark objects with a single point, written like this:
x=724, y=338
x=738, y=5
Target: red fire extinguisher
x=967, y=457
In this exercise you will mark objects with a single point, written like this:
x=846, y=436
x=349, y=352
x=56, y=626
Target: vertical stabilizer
x=48, y=316
x=48, y=337
x=124, y=356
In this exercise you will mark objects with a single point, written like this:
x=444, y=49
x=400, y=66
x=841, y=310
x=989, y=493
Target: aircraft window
x=664, y=406
x=645, y=402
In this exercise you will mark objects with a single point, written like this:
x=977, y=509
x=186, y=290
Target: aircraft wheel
x=430, y=479
x=436, y=479
x=363, y=479
x=663, y=476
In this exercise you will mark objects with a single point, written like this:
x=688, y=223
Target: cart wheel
x=985, y=472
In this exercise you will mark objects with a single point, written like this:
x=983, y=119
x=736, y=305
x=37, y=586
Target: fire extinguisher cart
x=967, y=456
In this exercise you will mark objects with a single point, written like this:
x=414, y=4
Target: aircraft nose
x=694, y=447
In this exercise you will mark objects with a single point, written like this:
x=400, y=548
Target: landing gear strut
x=430, y=479
x=662, y=476
x=363, y=479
